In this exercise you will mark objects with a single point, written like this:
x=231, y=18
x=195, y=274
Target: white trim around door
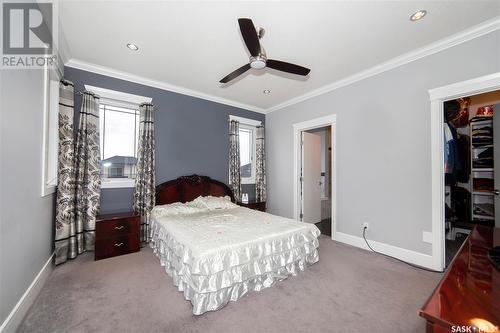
x=439, y=95
x=298, y=128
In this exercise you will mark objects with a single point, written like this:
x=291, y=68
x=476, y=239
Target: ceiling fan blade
x=249, y=36
x=287, y=67
x=233, y=75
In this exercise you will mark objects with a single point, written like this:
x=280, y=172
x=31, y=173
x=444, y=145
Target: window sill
x=126, y=183
x=247, y=182
x=48, y=189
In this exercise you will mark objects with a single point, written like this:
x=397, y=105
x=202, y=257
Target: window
x=115, y=172
x=248, y=135
x=247, y=154
x=119, y=134
x=119, y=131
x=50, y=142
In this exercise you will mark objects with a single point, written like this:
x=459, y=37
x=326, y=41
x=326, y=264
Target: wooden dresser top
x=105, y=217
x=469, y=293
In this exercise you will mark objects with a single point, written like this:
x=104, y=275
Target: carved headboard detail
x=187, y=188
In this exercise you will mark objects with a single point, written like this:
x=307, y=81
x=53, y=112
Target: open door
x=311, y=178
x=496, y=162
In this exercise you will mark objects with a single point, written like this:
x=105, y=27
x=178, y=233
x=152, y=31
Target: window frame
x=249, y=124
x=50, y=129
x=119, y=182
x=122, y=100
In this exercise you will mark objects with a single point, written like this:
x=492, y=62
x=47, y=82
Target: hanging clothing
x=144, y=194
x=461, y=204
x=463, y=171
x=448, y=149
x=65, y=241
x=260, y=166
x=234, y=159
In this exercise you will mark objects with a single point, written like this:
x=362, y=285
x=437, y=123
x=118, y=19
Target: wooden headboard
x=187, y=188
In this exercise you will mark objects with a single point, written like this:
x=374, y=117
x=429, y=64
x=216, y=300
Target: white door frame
x=298, y=128
x=437, y=97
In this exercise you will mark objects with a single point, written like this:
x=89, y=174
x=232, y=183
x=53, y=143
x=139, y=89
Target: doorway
x=438, y=96
x=471, y=176
x=316, y=178
x=314, y=173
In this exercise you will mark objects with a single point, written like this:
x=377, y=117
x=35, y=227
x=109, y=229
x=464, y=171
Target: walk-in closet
x=470, y=151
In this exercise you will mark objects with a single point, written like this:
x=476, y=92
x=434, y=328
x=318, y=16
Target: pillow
x=212, y=203
x=174, y=209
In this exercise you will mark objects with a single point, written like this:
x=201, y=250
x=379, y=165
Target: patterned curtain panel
x=260, y=165
x=65, y=235
x=144, y=195
x=87, y=173
x=234, y=159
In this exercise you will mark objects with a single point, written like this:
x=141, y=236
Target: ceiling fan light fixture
x=133, y=47
x=257, y=62
x=418, y=15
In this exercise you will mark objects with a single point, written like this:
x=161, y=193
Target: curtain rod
x=77, y=92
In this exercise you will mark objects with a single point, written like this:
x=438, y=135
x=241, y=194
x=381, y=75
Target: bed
x=216, y=251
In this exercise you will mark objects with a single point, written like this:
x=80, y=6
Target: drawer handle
x=118, y=244
x=119, y=228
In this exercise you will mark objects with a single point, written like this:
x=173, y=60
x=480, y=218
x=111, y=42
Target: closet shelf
x=483, y=217
x=484, y=122
x=482, y=193
x=482, y=169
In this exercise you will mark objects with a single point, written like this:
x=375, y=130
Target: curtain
x=260, y=165
x=144, y=195
x=234, y=159
x=65, y=235
x=79, y=180
x=87, y=173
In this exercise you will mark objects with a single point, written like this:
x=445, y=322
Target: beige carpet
x=348, y=290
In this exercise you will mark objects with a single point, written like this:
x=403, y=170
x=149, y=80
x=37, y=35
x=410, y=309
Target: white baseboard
x=17, y=314
x=413, y=257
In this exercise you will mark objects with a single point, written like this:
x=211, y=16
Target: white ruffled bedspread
x=217, y=256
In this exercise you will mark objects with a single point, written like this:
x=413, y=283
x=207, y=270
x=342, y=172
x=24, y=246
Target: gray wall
x=191, y=134
x=383, y=144
x=26, y=219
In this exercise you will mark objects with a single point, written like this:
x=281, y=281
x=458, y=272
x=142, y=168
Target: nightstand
x=117, y=234
x=261, y=205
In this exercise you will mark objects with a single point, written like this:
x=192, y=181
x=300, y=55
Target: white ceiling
x=193, y=45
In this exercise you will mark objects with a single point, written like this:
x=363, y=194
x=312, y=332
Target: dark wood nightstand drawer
x=117, y=227
x=115, y=246
x=254, y=205
x=117, y=234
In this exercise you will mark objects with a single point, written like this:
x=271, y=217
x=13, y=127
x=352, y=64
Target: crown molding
x=438, y=46
x=103, y=70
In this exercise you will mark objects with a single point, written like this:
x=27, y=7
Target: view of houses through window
x=119, y=135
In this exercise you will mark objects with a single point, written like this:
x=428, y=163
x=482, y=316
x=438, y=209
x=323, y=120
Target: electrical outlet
x=365, y=225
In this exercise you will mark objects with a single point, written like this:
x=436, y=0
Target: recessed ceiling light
x=133, y=47
x=418, y=15
x=266, y=91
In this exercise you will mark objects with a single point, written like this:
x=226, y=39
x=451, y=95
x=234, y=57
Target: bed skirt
x=210, y=282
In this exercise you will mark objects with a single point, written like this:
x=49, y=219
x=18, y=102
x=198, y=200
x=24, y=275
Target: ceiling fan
x=258, y=58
